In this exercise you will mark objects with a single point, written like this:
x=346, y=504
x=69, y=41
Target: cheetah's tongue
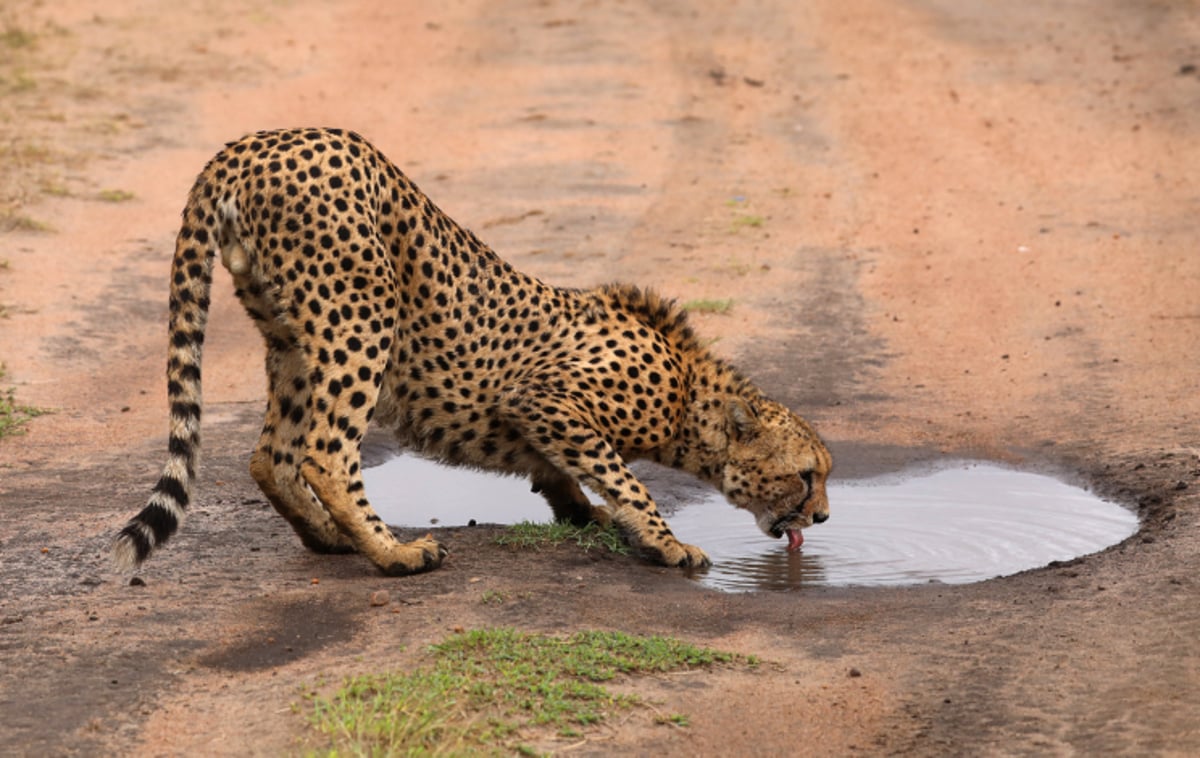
x=795, y=539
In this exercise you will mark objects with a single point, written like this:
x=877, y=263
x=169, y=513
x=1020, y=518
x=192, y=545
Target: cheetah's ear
x=744, y=423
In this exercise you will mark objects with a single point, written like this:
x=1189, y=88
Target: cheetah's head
x=775, y=467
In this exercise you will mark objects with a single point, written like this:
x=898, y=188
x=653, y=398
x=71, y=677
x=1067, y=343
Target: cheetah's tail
x=191, y=280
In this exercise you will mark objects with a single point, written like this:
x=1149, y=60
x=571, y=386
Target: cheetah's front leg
x=551, y=423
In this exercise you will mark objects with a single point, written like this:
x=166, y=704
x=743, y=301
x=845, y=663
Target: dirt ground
x=948, y=228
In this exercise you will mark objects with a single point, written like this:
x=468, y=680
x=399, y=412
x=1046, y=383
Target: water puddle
x=410, y=491
x=962, y=523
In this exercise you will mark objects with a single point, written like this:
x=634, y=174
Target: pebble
x=380, y=598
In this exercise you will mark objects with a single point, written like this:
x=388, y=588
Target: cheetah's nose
x=820, y=518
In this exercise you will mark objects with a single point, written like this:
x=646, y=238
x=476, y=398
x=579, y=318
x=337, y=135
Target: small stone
x=137, y=581
x=380, y=598
x=855, y=673
x=1181, y=485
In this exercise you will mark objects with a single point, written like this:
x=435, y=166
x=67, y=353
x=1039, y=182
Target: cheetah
x=376, y=307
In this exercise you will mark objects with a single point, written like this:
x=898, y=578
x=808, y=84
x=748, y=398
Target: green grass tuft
x=13, y=416
x=495, y=690
x=530, y=535
x=709, y=305
x=115, y=195
x=11, y=221
x=751, y=221
x=680, y=720
x=493, y=597
x=18, y=82
x=14, y=38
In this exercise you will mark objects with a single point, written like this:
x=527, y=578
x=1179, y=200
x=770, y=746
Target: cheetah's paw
x=420, y=555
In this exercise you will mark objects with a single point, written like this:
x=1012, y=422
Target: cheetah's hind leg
x=275, y=464
x=344, y=393
x=338, y=484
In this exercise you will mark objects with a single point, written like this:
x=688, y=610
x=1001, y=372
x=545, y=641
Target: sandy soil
x=948, y=228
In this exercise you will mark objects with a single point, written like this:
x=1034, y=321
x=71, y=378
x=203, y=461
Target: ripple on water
x=963, y=523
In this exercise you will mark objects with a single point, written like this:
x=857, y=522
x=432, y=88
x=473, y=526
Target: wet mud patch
x=285, y=634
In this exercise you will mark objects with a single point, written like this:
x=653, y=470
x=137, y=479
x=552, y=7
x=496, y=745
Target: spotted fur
x=377, y=307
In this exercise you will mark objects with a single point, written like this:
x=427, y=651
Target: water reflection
x=776, y=570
